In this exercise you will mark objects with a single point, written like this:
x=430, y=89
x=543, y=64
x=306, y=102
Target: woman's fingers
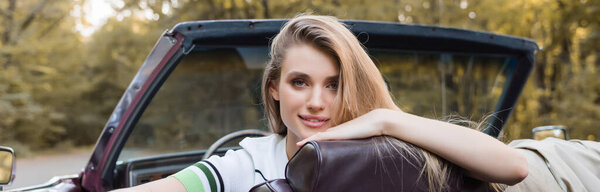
x=327, y=135
x=344, y=131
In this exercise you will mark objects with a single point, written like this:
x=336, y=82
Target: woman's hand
x=370, y=124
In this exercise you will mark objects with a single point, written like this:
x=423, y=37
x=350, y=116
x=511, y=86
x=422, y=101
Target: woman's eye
x=298, y=83
x=333, y=85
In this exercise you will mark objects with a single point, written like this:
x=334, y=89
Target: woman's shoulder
x=252, y=148
x=251, y=143
x=236, y=170
x=267, y=154
x=255, y=150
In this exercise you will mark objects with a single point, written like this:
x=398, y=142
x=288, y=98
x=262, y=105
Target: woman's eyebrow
x=297, y=74
x=333, y=78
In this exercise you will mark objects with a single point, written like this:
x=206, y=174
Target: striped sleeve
x=200, y=177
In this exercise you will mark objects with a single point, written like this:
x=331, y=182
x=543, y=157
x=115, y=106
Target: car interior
x=224, y=83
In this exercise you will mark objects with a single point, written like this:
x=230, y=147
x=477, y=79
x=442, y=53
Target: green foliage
x=38, y=72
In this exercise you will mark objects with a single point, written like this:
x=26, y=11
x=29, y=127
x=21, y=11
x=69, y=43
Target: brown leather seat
x=355, y=165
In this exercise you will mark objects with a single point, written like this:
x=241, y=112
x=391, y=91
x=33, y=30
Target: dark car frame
x=102, y=172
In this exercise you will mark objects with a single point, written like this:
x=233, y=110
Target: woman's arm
x=482, y=156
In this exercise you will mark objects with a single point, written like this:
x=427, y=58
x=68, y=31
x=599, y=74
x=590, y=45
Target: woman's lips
x=313, y=121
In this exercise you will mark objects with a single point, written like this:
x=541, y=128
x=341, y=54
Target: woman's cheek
x=290, y=104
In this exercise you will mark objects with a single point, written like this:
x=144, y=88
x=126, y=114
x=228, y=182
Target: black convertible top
x=371, y=34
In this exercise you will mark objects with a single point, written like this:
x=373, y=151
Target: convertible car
x=199, y=89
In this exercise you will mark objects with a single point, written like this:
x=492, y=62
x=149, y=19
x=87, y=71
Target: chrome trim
x=549, y=127
x=50, y=183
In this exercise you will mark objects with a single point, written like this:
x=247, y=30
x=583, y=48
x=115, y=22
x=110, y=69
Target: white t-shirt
x=238, y=170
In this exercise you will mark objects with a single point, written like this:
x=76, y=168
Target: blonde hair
x=361, y=87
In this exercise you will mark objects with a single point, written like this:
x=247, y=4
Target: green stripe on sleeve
x=190, y=180
x=209, y=176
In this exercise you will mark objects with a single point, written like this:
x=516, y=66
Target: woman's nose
x=315, y=101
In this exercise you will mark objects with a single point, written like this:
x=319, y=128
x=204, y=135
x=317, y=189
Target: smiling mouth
x=313, y=121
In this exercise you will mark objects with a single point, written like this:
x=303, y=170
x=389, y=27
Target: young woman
x=320, y=84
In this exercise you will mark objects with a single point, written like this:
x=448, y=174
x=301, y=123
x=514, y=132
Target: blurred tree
x=39, y=61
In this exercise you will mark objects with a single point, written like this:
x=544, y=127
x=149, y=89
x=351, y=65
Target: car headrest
x=356, y=165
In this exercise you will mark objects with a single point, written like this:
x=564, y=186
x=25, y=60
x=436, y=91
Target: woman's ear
x=273, y=91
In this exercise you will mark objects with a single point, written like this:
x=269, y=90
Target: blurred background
x=65, y=64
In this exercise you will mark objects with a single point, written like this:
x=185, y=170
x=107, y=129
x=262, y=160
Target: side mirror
x=7, y=165
x=556, y=131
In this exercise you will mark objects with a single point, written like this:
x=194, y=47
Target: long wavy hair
x=361, y=87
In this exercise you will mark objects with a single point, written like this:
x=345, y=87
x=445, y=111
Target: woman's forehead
x=307, y=60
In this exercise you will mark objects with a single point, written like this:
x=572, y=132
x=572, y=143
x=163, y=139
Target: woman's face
x=306, y=90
